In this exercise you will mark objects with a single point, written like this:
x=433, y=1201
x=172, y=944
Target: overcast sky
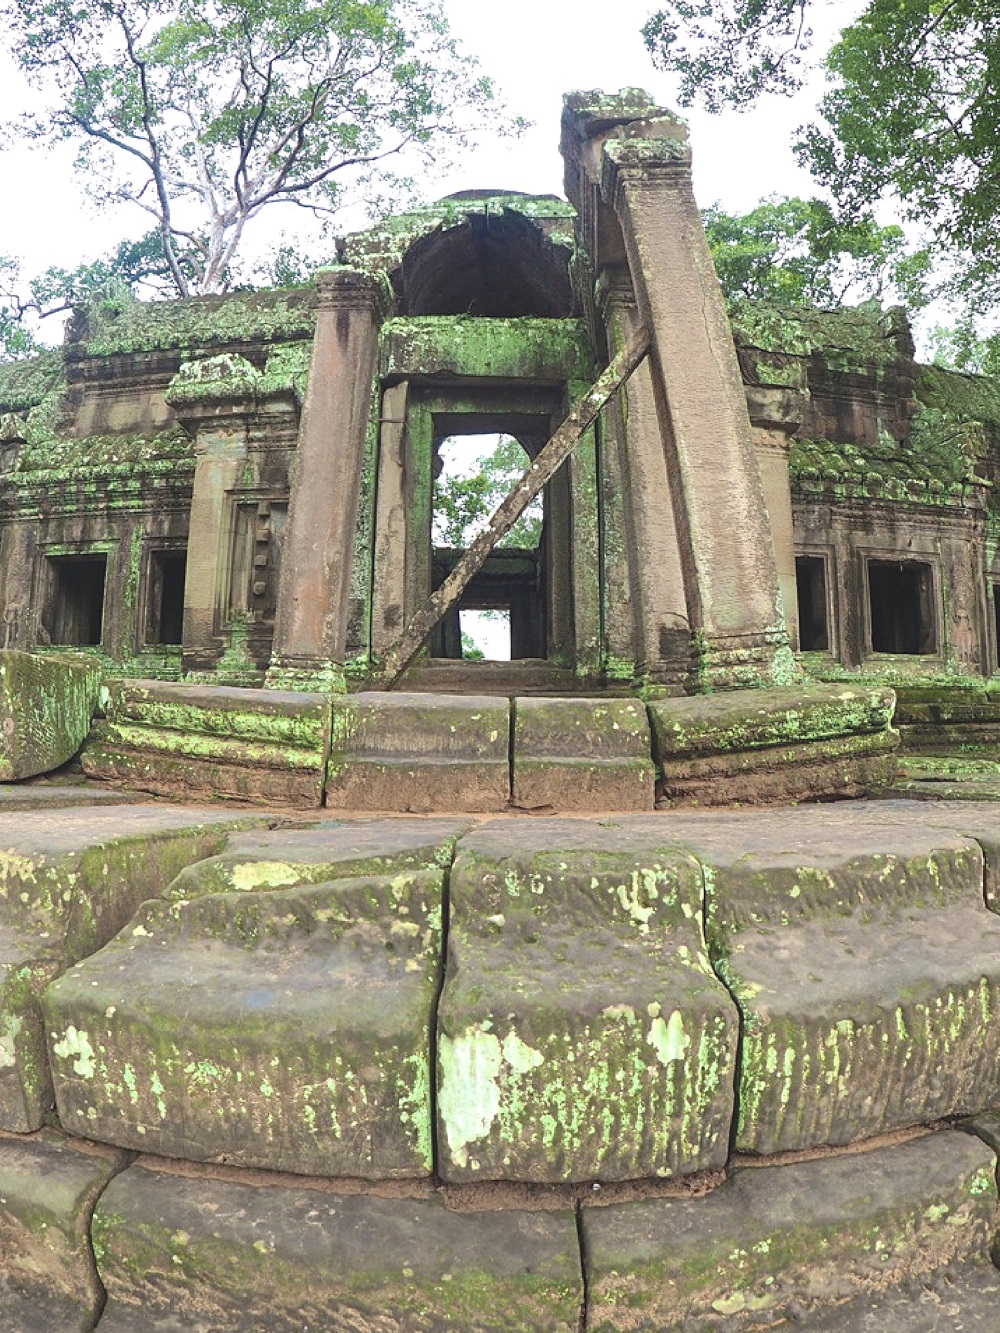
x=535, y=50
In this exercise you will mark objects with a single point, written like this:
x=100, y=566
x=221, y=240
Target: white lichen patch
x=76, y=1046
x=8, y=1040
x=250, y=875
x=469, y=1097
x=668, y=1039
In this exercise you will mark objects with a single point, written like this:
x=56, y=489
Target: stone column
x=313, y=596
x=658, y=631
x=214, y=399
x=725, y=539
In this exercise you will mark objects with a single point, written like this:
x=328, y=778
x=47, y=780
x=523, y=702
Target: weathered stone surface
x=53, y=796
x=283, y=1028
x=68, y=883
x=48, y=1187
x=581, y=1032
x=263, y=746
x=582, y=754
x=329, y=849
x=419, y=752
x=46, y=703
x=198, y=1255
x=774, y=744
x=857, y=944
x=963, y=1300
x=777, y=1240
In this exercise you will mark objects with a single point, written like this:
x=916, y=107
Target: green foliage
x=204, y=112
x=911, y=116
x=795, y=252
x=464, y=503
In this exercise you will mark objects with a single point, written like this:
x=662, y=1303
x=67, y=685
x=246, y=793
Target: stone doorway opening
x=901, y=607
x=502, y=615
x=73, y=616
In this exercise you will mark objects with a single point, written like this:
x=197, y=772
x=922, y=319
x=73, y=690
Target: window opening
x=76, y=618
x=165, y=600
x=473, y=473
x=810, y=581
x=485, y=634
x=900, y=598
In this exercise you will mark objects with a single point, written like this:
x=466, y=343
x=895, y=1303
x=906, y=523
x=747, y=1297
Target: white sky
x=535, y=50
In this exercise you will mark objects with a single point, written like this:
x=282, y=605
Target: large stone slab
x=965, y=1299
x=774, y=1242
x=582, y=754
x=48, y=1188
x=776, y=744
x=866, y=966
x=419, y=752
x=187, y=1254
x=68, y=883
x=262, y=746
x=251, y=1023
x=581, y=1031
x=46, y=704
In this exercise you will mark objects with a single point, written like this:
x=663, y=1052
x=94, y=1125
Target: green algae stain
x=668, y=1039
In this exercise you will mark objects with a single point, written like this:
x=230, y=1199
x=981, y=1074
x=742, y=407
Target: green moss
x=61, y=460
x=200, y=322
x=24, y=384
x=863, y=338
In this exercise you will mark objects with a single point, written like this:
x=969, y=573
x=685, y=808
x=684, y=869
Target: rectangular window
x=165, y=597
x=901, y=607
x=75, y=616
x=810, y=580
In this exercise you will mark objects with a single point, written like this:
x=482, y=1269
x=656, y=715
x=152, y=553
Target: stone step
x=581, y=1032
x=776, y=1242
x=419, y=752
x=48, y=1188
x=260, y=746
x=68, y=883
x=243, y=1020
x=582, y=754
x=179, y=1253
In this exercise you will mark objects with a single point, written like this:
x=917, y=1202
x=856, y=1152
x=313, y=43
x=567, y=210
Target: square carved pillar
x=313, y=597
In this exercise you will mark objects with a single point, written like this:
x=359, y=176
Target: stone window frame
x=43, y=586
x=226, y=616
x=893, y=555
x=150, y=546
x=826, y=552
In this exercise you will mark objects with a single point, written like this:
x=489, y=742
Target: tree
x=203, y=113
x=466, y=496
x=796, y=252
x=911, y=115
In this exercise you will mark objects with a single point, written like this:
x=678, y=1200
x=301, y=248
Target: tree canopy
x=202, y=113
x=796, y=252
x=911, y=113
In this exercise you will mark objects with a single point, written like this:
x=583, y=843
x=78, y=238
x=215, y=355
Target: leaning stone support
x=311, y=632
x=726, y=543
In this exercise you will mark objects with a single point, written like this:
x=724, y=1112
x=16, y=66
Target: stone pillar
x=213, y=399
x=313, y=598
x=775, y=415
x=726, y=544
x=659, y=624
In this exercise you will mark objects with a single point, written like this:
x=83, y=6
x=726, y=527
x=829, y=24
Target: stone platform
x=677, y=1071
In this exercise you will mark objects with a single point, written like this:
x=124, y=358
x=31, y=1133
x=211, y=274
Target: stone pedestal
x=311, y=632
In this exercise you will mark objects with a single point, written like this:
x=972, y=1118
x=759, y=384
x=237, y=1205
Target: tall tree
x=203, y=113
x=796, y=252
x=912, y=113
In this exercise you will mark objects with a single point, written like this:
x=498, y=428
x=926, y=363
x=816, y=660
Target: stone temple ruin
x=275, y=1054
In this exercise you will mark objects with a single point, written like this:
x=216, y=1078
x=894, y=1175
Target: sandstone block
x=262, y=746
x=48, y=1188
x=775, y=1240
x=581, y=1031
x=46, y=704
x=419, y=752
x=866, y=967
x=68, y=883
x=280, y=1028
x=582, y=754
x=189, y=1254
x=774, y=744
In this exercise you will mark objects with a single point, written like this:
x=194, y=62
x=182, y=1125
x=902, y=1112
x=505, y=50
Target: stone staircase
x=687, y=1071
